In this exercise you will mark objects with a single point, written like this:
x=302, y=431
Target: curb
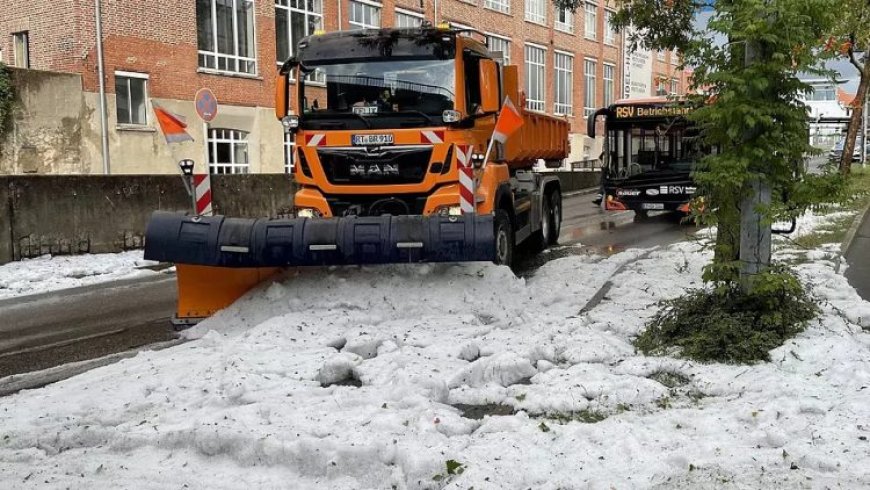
x=580, y=192
x=37, y=379
x=850, y=236
x=853, y=230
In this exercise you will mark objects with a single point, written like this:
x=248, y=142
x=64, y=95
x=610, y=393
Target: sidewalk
x=858, y=257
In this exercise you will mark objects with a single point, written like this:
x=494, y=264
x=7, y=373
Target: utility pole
x=755, y=234
x=101, y=72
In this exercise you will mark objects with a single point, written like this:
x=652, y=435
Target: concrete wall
x=47, y=125
x=81, y=214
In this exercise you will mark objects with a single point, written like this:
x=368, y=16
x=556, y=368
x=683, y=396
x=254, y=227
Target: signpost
x=206, y=108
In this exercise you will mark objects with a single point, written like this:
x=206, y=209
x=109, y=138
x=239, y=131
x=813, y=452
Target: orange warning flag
x=509, y=121
x=172, y=126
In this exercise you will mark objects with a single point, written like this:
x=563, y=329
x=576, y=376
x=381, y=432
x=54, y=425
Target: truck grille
x=389, y=166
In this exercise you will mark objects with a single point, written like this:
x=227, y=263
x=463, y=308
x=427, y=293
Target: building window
x=564, y=20
x=535, y=81
x=21, y=49
x=564, y=64
x=536, y=11
x=500, y=44
x=822, y=93
x=675, y=86
x=364, y=15
x=228, y=151
x=661, y=89
x=609, y=30
x=498, y=5
x=289, y=146
x=295, y=19
x=660, y=55
x=589, y=75
x=131, y=92
x=591, y=21
x=609, y=77
x=408, y=19
x=225, y=35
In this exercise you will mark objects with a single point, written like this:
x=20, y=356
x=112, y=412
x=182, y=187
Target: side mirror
x=489, y=86
x=282, y=92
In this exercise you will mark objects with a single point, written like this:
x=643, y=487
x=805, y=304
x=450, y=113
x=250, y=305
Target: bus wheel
x=504, y=238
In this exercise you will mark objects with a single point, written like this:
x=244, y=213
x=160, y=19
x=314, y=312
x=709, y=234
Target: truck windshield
x=378, y=94
x=664, y=146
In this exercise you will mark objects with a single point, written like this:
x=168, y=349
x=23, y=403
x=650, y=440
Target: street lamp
x=186, y=167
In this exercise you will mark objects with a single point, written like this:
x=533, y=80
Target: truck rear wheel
x=504, y=238
x=555, y=200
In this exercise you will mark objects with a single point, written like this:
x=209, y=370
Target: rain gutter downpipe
x=104, y=123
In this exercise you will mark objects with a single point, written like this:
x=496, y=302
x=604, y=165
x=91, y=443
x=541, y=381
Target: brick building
x=161, y=52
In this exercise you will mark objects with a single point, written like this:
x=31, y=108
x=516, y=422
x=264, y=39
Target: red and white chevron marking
x=202, y=186
x=432, y=137
x=315, y=139
x=466, y=178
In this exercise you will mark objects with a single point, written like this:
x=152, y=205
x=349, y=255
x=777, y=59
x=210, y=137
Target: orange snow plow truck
x=391, y=129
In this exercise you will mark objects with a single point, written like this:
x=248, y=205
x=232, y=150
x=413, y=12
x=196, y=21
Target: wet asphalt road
x=46, y=330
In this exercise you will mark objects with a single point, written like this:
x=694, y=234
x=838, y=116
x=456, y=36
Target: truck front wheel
x=504, y=238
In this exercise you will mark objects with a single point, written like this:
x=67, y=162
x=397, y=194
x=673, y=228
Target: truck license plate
x=652, y=205
x=372, y=139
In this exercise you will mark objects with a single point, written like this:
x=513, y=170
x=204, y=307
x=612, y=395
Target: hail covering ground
x=52, y=273
x=348, y=378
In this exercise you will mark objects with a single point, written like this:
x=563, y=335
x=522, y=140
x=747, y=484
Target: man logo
x=652, y=192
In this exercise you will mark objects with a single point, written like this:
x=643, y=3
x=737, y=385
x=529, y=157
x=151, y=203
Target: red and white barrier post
x=202, y=195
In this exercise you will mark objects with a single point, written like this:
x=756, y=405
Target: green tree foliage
x=850, y=37
x=6, y=97
x=751, y=107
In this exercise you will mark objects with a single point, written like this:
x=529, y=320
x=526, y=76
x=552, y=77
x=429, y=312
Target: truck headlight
x=290, y=122
x=449, y=211
x=451, y=116
x=308, y=213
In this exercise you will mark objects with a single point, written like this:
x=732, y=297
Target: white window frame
x=609, y=83
x=304, y=11
x=408, y=13
x=536, y=101
x=506, y=53
x=675, y=86
x=235, y=59
x=590, y=24
x=568, y=25
x=141, y=76
x=21, y=41
x=589, y=106
x=609, y=32
x=536, y=11
x=457, y=25
x=563, y=73
x=362, y=25
x=289, y=146
x=235, y=137
x=503, y=6
x=660, y=55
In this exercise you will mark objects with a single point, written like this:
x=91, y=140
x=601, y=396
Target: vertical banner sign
x=202, y=189
x=637, y=73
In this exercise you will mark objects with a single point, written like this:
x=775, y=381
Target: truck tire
x=540, y=239
x=555, y=200
x=504, y=238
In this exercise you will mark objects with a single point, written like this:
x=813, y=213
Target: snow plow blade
x=219, y=241
x=219, y=259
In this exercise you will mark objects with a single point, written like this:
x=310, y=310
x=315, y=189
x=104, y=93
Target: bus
x=650, y=150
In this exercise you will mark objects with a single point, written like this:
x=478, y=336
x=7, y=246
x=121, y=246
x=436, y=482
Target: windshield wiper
x=429, y=118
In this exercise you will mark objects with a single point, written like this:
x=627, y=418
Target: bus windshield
x=650, y=147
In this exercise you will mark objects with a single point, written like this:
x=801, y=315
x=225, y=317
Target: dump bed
x=541, y=136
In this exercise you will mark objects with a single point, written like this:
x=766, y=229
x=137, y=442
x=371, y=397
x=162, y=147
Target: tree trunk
x=855, y=119
x=726, y=252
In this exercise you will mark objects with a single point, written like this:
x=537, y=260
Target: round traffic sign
x=206, y=104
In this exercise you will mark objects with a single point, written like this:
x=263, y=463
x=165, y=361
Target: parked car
x=837, y=151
